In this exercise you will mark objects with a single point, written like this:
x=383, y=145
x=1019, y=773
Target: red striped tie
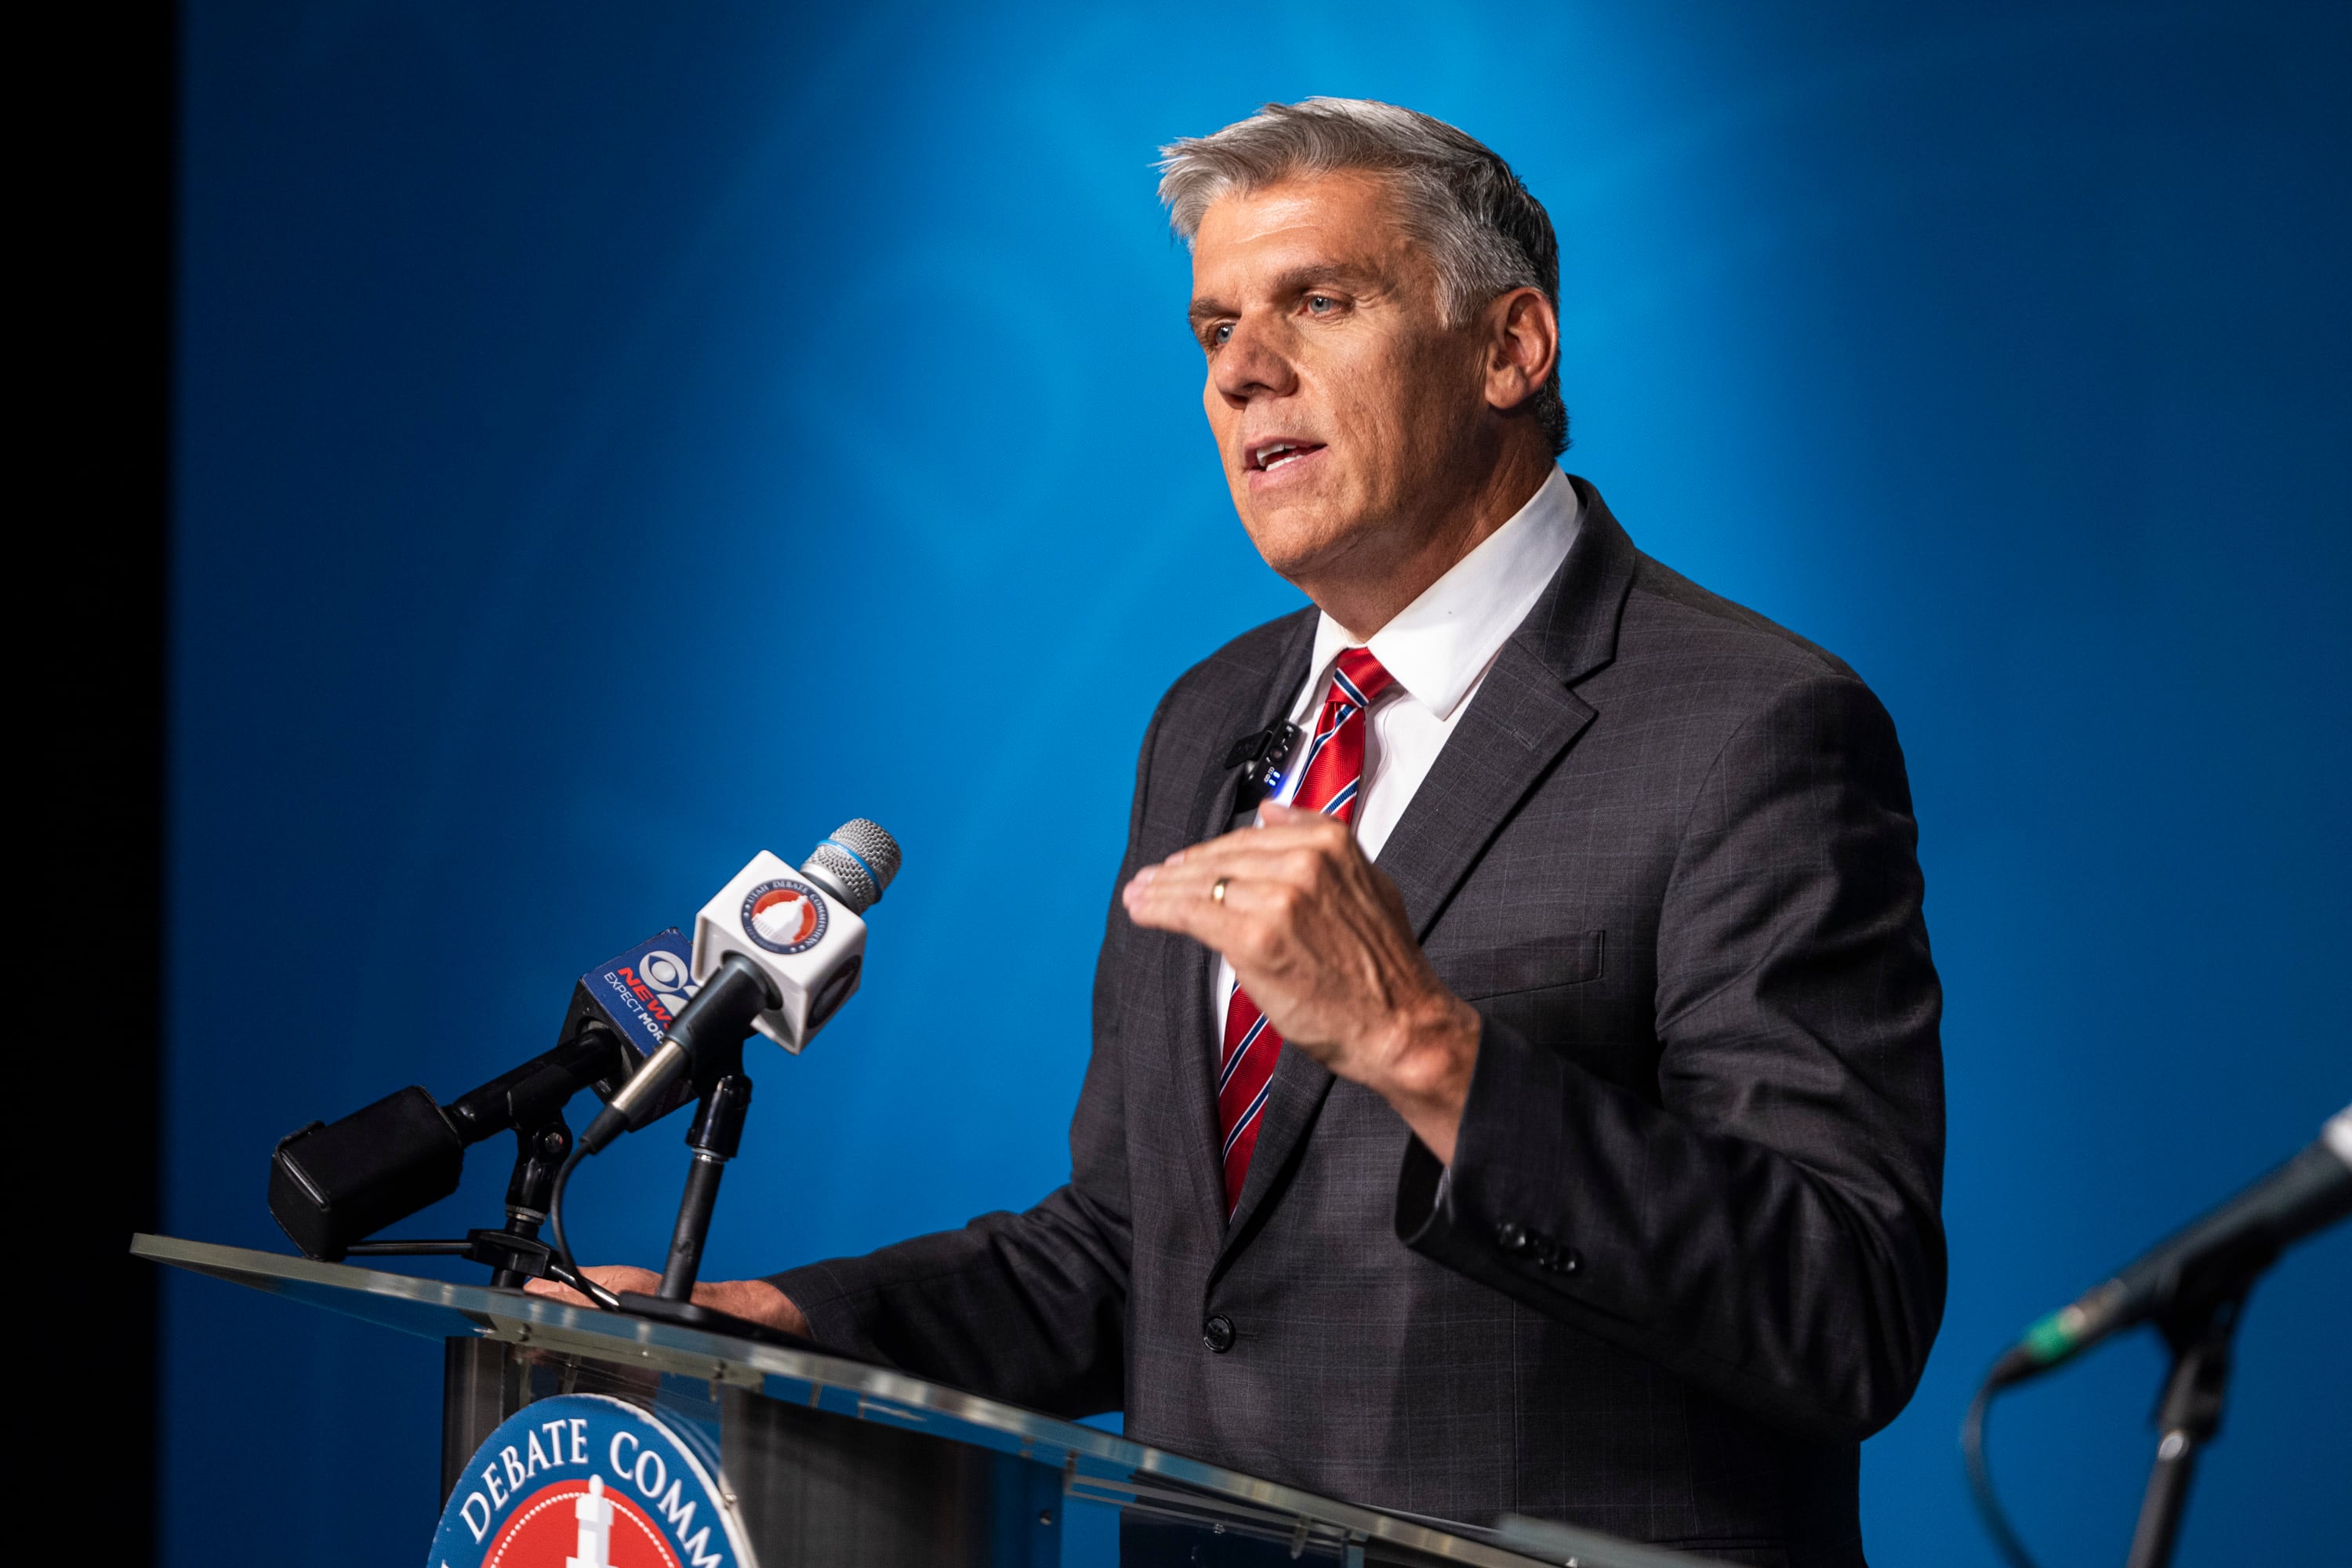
x=1328, y=781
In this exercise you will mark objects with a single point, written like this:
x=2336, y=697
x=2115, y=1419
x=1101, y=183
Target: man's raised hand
x=1318, y=936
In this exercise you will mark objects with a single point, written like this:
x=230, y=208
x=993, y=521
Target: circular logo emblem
x=784, y=916
x=670, y=977
x=586, y=1481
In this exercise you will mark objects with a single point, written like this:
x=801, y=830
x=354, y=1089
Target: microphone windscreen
x=331, y=1184
x=862, y=859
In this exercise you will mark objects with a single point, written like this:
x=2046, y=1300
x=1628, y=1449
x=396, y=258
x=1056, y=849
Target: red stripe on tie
x=1335, y=768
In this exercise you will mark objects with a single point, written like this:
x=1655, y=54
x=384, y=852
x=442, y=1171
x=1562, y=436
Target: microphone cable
x=1980, y=1488
x=588, y=1288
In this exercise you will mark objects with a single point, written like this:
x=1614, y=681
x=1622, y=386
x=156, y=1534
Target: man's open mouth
x=1268, y=456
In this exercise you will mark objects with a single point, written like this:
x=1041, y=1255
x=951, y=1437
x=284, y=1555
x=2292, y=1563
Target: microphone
x=639, y=994
x=2213, y=1258
x=1262, y=757
x=333, y=1184
x=778, y=950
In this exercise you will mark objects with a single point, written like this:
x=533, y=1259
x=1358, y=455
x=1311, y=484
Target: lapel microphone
x=1260, y=758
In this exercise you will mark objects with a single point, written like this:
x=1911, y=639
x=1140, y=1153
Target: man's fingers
x=1299, y=868
x=1180, y=898
x=1305, y=853
x=1255, y=919
x=1244, y=894
x=563, y=1293
x=1183, y=898
x=618, y=1277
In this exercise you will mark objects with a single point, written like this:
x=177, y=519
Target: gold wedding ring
x=1217, y=892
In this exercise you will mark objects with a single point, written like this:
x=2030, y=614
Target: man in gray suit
x=1526, y=1096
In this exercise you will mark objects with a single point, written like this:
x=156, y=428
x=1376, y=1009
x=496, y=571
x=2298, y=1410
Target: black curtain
x=93, y=509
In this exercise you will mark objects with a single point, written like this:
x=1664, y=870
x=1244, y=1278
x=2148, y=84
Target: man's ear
x=1522, y=333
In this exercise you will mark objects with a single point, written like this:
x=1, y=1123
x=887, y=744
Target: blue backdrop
x=608, y=446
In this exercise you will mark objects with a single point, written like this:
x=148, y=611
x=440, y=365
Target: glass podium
x=829, y=1461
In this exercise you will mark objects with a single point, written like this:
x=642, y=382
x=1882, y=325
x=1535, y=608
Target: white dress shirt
x=1439, y=648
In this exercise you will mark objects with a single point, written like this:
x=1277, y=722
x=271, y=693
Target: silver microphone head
x=859, y=859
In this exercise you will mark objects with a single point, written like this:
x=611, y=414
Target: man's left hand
x=754, y=1300
x=1318, y=938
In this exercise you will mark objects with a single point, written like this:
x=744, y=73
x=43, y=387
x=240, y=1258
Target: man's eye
x=1219, y=334
x=1321, y=304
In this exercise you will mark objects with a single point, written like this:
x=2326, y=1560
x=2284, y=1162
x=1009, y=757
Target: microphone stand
x=513, y=1253
x=2189, y=1416
x=539, y=1152
x=706, y=1045
x=716, y=1133
x=2199, y=1325
x=714, y=1137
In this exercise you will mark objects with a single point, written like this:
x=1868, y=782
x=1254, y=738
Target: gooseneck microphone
x=2214, y=1254
x=2192, y=1287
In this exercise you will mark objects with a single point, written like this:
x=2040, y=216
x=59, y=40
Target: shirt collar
x=1439, y=645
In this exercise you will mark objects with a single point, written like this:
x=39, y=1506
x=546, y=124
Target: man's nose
x=1255, y=362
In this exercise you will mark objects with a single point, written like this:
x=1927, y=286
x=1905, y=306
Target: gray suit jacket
x=1689, y=1254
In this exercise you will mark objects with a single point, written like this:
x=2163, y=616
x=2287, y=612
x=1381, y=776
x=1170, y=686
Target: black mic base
x=710, y=1320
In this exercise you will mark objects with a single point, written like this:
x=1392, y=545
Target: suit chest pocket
x=1572, y=958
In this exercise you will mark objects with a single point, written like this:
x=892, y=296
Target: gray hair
x=1482, y=230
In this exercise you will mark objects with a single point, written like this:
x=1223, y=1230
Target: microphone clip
x=1260, y=758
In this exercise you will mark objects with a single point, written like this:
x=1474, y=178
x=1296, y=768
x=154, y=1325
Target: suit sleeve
x=1029, y=1308
x=1768, y=1227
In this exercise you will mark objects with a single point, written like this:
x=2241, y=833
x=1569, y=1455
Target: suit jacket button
x=1217, y=1334
x=1567, y=1260
x=1511, y=1236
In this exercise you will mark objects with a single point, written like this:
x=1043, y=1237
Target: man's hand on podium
x=753, y=1300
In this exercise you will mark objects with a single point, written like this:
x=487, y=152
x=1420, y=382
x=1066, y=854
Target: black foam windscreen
x=333, y=1184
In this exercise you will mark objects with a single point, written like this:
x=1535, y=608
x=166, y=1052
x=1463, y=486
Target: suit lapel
x=1191, y=966
x=1523, y=717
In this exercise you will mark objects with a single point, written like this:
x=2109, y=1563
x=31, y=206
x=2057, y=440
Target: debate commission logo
x=784, y=916
x=586, y=1481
